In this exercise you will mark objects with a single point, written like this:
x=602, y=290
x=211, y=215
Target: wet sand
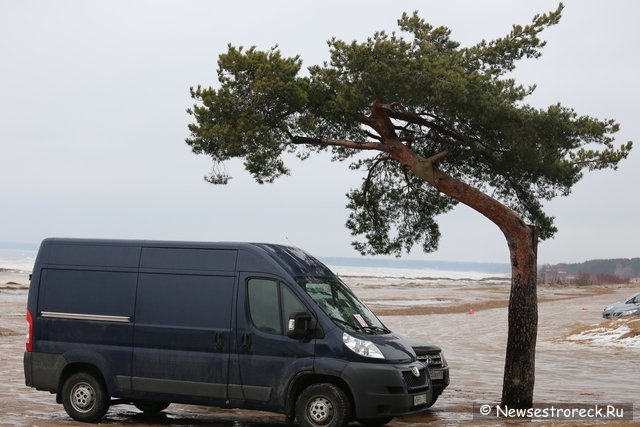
x=436, y=311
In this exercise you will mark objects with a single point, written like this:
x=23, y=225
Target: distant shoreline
x=630, y=267
x=15, y=246
x=418, y=264
x=24, y=250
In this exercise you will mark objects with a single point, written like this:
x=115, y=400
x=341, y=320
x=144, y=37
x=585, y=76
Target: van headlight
x=362, y=347
x=608, y=308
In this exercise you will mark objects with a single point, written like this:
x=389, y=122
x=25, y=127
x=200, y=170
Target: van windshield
x=341, y=305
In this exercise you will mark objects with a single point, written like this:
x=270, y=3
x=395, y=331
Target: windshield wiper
x=344, y=322
x=371, y=330
x=380, y=329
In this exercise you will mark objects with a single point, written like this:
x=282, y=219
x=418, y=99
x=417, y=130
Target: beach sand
x=568, y=369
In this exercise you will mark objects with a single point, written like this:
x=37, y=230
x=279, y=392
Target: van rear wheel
x=151, y=407
x=322, y=405
x=84, y=397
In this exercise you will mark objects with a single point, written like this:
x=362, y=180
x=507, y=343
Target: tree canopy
x=443, y=124
x=421, y=89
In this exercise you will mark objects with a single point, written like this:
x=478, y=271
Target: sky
x=93, y=99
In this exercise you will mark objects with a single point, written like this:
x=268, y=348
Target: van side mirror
x=300, y=325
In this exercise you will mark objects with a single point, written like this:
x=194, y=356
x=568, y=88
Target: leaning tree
x=443, y=124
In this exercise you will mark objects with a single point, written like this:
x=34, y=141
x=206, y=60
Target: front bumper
x=383, y=390
x=439, y=379
x=619, y=314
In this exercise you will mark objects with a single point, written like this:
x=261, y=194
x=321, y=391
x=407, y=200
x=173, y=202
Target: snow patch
x=618, y=333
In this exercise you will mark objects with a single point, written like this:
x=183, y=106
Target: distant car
x=628, y=307
x=431, y=355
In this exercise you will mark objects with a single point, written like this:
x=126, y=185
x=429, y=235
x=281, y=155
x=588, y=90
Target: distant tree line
x=618, y=266
x=594, y=272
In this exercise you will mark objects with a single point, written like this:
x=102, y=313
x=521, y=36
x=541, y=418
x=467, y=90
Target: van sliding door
x=181, y=337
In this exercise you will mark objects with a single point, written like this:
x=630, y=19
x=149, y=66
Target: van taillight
x=29, y=331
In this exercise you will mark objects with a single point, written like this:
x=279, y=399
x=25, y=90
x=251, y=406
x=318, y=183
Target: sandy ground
x=436, y=311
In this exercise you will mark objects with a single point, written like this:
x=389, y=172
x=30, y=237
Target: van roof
x=95, y=252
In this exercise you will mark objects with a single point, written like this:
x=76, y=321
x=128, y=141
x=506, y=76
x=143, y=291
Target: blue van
x=232, y=325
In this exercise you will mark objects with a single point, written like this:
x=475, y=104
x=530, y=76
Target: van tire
x=322, y=405
x=84, y=397
x=151, y=407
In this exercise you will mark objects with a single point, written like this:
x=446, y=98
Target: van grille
x=413, y=381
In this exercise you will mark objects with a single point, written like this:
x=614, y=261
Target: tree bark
x=519, y=368
x=519, y=372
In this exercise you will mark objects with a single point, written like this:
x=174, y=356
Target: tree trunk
x=519, y=368
x=519, y=372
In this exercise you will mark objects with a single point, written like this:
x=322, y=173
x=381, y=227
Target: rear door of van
x=267, y=360
x=183, y=324
x=85, y=308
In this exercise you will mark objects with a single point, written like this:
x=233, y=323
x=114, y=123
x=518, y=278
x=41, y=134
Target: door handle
x=219, y=340
x=246, y=340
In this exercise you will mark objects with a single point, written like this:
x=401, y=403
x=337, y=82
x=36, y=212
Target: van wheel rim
x=321, y=410
x=83, y=397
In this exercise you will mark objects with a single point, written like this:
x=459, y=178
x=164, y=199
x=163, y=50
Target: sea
x=17, y=257
x=20, y=258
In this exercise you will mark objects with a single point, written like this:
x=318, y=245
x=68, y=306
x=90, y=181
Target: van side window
x=184, y=300
x=270, y=305
x=88, y=292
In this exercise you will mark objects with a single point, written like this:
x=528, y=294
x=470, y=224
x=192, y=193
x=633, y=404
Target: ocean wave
x=17, y=265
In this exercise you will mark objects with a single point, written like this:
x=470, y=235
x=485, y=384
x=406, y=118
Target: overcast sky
x=92, y=121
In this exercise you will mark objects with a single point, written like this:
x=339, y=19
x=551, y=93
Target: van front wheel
x=322, y=405
x=84, y=397
x=376, y=422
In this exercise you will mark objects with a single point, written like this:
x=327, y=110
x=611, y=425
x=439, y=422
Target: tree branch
x=405, y=171
x=367, y=180
x=367, y=145
x=374, y=136
x=398, y=112
x=439, y=156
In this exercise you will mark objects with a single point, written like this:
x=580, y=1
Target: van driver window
x=289, y=303
x=264, y=306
